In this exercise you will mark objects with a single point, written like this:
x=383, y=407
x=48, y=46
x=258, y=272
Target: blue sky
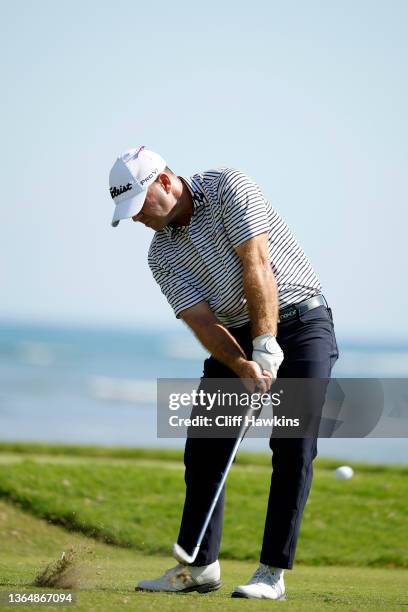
x=309, y=99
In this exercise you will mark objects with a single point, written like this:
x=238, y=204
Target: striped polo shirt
x=198, y=262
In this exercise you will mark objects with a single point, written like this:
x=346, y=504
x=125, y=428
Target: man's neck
x=183, y=210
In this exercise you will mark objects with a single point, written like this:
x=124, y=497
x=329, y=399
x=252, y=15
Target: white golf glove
x=267, y=353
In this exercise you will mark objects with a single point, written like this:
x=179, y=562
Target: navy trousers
x=310, y=351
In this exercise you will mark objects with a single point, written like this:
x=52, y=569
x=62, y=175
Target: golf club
x=178, y=552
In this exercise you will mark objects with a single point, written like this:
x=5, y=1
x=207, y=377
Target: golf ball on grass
x=344, y=472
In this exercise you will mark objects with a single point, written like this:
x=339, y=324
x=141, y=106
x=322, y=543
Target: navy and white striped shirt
x=197, y=262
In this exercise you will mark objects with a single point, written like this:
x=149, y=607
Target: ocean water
x=98, y=386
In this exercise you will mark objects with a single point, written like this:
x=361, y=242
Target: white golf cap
x=131, y=175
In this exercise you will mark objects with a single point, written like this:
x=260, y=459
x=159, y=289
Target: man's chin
x=156, y=225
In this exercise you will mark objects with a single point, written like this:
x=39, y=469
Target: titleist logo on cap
x=117, y=191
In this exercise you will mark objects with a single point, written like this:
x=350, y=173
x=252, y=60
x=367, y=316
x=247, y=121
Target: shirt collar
x=196, y=191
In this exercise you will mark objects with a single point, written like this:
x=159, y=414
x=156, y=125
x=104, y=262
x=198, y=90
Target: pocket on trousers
x=319, y=314
x=321, y=317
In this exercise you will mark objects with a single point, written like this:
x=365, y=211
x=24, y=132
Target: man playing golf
x=233, y=272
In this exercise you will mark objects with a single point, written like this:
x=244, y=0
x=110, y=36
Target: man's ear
x=164, y=181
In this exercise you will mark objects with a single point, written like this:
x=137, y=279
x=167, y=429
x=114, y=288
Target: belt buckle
x=285, y=316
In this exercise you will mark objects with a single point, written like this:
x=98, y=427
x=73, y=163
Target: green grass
x=133, y=498
x=120, y=452
x=108, y=576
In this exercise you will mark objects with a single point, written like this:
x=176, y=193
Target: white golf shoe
x=266, y=583
x=184, y=579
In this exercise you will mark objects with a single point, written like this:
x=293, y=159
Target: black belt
x=293, y=311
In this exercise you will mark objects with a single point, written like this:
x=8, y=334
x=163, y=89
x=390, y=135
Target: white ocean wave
x=36, y=353
x=124, y=390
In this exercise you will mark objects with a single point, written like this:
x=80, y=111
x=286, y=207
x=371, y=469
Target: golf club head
x=182, y=557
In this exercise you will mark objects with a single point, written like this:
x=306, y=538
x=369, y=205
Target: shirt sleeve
x=245, y=210
x=179, y=293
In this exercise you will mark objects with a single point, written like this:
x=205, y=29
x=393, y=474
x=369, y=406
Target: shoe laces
x=264, y=572
x=178, y=572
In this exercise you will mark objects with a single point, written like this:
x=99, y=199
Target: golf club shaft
x=219, y=489
x=242, y=432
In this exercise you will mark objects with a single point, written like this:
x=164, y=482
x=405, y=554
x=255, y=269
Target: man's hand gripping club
x=267, y=354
